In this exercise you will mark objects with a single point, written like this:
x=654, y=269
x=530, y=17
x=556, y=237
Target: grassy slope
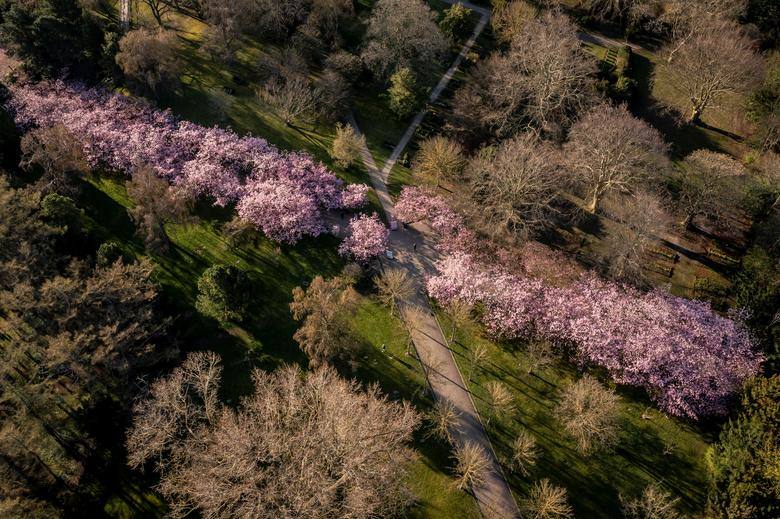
x=595, y=482
x=266, y=339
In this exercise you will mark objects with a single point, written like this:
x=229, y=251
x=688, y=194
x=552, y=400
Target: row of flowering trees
x=283, y=194
x=687, y=357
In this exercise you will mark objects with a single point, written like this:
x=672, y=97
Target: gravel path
x=414, y=251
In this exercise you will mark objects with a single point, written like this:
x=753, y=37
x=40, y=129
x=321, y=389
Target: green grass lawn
x=265, y=339
x=660, y=449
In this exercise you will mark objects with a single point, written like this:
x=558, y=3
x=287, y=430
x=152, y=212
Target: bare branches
x=610, y=150
x=155, y=205
x=149, y=59
x=499, y=399
x=511, y=191
x=717, y=60
x=324, y=308
x=541, y=82
x=439, y=158
x=589, y=414
x=444, y=419
x=707, y=185
x=540, y=355
x=524, y=452
x=472, y=465
x=403, y=33
x=654, y=503
x=394, y=286
x=292, y=95
x=178, y=407
x=302, y=445
x=546, y=501
x=642, y=218
x=58, y=155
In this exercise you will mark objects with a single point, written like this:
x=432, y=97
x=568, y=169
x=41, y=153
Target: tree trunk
x=695, y=116
x=593, y=205
x=124, y=15
x=686, y=223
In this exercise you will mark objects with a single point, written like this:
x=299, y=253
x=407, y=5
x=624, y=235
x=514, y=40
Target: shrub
x=347, y=146
x=455, y=22
x=108, y=253
x=223, y=293
x=757, y=285
x=61, y=210
x=743, y=465
x=402, y=94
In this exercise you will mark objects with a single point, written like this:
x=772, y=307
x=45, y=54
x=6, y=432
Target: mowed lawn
x=265, y=339
x=651, y=448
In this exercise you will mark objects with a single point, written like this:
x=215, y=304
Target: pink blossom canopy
x=366, y=239
x=687, y=357
x=121, y=133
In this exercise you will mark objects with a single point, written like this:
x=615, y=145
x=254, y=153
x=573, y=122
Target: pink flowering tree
x=367, y=238
x=688, y=358
x=283, y=194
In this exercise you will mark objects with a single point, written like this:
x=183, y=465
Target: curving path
x=414, y=251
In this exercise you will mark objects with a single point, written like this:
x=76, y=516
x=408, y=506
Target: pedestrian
x=414, y=247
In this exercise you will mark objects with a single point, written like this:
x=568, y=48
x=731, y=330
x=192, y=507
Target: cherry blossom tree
x=690, y=359
x=283, y=194
x=367, y=238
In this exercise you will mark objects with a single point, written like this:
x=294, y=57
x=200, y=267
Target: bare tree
x=324, y=307
x=542, y=82
x=607, y=9
x=159, y=9
x=499, y=398
x=403, y=33
x=228, y=19
x=716, y=61
x=293, y=96
x=328, y=14
x=589, y=414
x=284, y=453
x=540, y=355
x=654, y=503
x=512, y=190
x=546, y=501
x=394, y=286
x=611, y=150
x=241, y=232
x=477, y=356
x=439, y=158
x=155, y=205
x=459, y=313
x=334, y=95
x=769, y=176
x=683, y=19
x=707, y=185
x=472, y=465
x=509, y=18
x=149, y=59
x=177, y=407
x=58, y=155
x=524, y=452
x=643, y=219
x=347, y=146
x=444, y=419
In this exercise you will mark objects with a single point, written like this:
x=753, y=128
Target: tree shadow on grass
x=683, y=138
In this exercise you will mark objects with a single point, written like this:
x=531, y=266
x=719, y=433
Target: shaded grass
x=659, y=449
x=265, y=339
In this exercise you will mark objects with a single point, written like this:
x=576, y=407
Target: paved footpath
x=493, y=495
